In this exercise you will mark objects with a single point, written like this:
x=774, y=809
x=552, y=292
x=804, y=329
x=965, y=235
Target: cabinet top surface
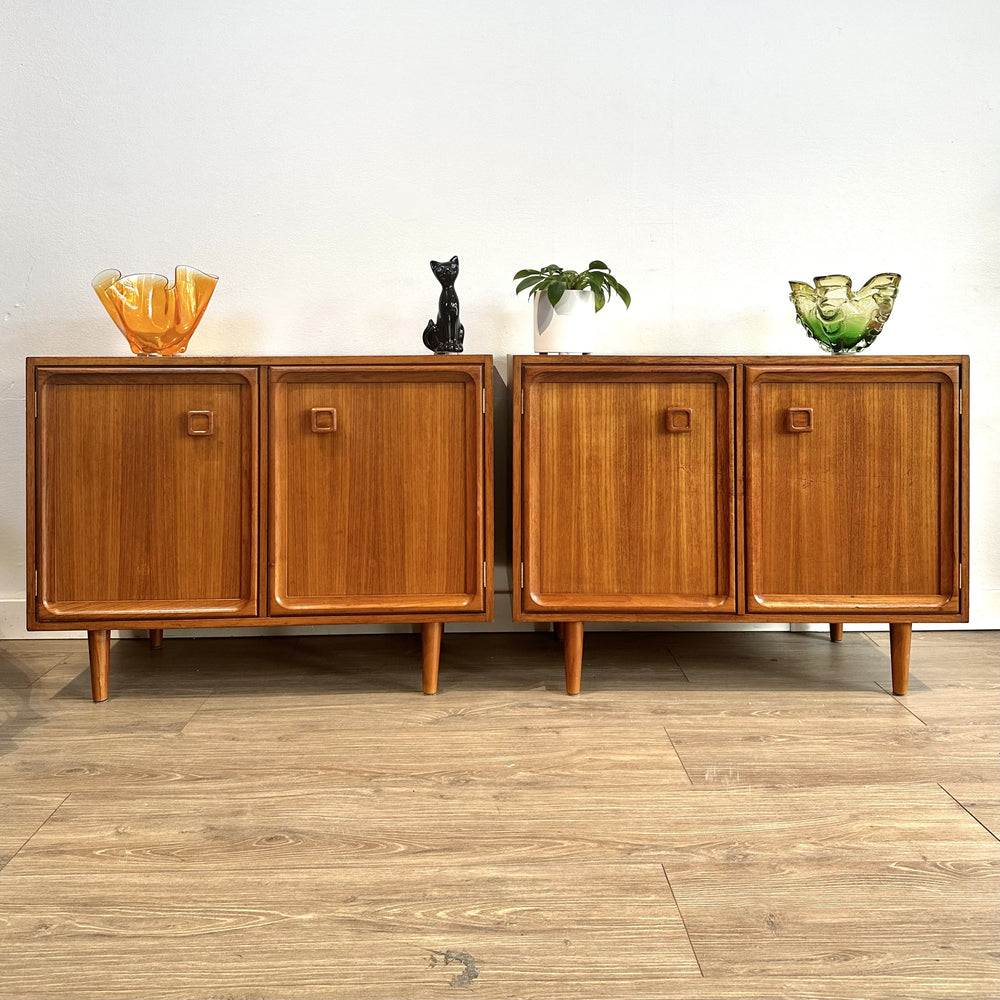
x=733, y=359
x=244, y=361
x=188, y=361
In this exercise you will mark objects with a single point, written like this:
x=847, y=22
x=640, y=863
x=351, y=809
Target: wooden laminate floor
x=718, y=815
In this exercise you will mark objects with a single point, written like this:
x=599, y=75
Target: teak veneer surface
x=654, y=505
x=870, y=518
x=385, y=513
x=133, y=511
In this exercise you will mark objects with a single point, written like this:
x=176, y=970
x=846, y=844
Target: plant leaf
x=623, y=292
x=525, y=273
x=532, y=279
x=555, y=292
x=599, y=299
x=598, y=265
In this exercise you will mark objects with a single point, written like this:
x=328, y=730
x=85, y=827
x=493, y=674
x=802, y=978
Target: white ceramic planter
x=570, y=327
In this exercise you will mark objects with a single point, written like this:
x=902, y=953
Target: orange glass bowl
x=155, y=316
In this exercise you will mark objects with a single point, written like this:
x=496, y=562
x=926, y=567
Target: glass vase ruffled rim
x=156, y=315
x=841, y=320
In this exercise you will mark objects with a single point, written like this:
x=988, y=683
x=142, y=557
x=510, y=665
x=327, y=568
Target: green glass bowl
x=840, y=320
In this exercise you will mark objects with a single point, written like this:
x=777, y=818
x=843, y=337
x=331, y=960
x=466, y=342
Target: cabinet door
x=627, y=489
x=376, y=489
x=852, y=489
x=146, y=487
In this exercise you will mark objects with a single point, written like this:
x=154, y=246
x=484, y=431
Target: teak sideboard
x=740, y=489
x=205, y=492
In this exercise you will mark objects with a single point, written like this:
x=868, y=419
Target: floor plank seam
x=677, y=663
x=970, y=813
x=687, y=933
x=899, y=701
x=35, y=831
x=637, y=863
x=678, y=756
x=868, y=636
x=58, y=663
x=193, y=715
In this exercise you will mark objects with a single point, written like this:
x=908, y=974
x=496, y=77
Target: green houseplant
x=565, y=303
x=555, y=281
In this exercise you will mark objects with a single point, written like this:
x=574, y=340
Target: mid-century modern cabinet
x=740, y=489
x=187, y=492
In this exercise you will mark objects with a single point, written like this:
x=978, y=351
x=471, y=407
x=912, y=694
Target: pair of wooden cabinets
x=191, y=492
x=740, y=489
x=248, y=491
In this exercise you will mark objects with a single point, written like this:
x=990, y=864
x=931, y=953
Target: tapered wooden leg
x=99, y=646
x=430, y=644
x=899, y=651
x=155, y=638
x=560, y=630
x=836, y=631
x=573, y=655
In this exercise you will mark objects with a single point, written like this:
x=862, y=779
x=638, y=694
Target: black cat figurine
x=446, y=335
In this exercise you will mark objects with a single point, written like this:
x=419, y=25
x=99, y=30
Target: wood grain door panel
x=852, y=489
x=146, y=493
x=628, y=487
x=376, y=490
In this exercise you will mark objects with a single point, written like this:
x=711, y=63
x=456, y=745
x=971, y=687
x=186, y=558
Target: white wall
x=317, y=154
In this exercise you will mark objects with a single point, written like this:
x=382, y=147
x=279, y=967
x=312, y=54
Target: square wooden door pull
x=200, y=423
x=800, y=419
x=678, y=419
x=323, y=420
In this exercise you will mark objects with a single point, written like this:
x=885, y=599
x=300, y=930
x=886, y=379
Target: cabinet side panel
x=965, y=422
x=852, y=489
x=31, y=560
